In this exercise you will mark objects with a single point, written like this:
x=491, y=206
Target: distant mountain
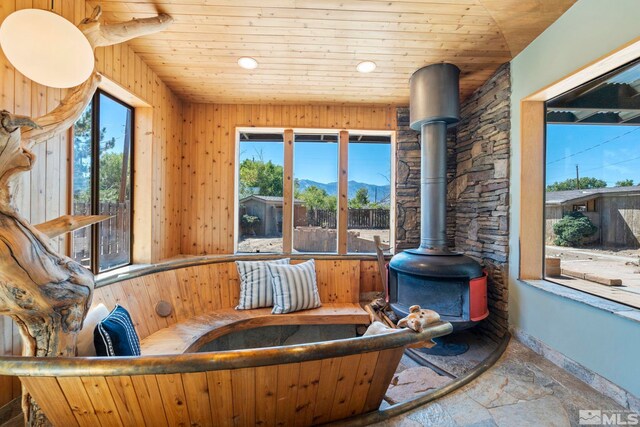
x=377, y=193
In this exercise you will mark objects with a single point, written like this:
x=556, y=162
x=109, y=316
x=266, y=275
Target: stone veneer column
x=481, y=189
x=478, y=188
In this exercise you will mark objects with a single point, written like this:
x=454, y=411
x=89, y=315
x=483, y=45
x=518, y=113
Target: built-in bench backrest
x=204, y=288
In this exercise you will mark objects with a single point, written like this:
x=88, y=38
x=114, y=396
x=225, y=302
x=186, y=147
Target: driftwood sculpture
x=48, y=294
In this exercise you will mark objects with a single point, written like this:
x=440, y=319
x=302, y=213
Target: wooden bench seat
x=189, y=335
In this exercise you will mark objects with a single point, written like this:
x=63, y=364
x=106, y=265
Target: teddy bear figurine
x=418, y=318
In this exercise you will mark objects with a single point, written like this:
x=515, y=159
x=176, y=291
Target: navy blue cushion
x=116, y=336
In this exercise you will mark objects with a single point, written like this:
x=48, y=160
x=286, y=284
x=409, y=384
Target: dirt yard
x=621, y=264
x=274, y=244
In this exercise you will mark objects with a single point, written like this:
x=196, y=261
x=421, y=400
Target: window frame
x=531, y=231
x=343, y=178
x=95, y=178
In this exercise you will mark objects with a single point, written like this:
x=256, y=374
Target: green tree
x=317, y=198
x=572, y=228
x=111, y=177
x=361, y=199
x=570, y=184
x=265, y=177
x=82, y=154
x=625, y=183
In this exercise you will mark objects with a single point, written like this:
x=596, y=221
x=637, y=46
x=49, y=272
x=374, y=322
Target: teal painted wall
x=599, y=340
x=605, y=343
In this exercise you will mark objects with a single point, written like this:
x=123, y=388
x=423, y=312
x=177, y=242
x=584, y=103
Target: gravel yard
x=274, y=244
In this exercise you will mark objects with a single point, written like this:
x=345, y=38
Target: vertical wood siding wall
x=209, y=162
x=45, y=193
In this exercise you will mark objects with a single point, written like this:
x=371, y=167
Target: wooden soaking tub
x=168, y=385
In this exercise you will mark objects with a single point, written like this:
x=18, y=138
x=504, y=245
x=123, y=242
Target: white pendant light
x=46, y=48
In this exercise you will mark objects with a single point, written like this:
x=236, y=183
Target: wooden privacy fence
x=114, y=239
x=357, y=218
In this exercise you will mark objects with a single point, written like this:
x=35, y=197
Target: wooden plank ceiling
x=308, y=49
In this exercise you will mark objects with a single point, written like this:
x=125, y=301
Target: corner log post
x=46, y=293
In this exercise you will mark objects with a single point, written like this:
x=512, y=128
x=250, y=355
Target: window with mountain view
x=592, y=199
x=102, y=139
x=261, y=160
x=315, y=171
x=369, y=192
x=315, y=215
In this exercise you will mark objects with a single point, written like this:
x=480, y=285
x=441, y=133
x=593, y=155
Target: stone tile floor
x=522, y=389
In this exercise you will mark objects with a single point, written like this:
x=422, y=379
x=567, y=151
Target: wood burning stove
x=431, y=275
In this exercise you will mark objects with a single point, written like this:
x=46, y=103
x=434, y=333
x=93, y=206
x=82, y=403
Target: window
x=315, y=172
x=592, y=197
x=300, y=170
x=102, y=179
x=260, y=192
x=369, y=192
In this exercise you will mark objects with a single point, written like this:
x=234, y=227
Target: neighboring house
x=614, y=210
x=269, y=210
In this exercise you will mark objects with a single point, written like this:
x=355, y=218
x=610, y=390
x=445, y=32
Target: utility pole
x=577, y=177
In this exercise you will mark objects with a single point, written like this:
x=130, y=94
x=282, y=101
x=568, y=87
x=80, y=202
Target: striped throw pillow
x=255, y=283
x=294, y=287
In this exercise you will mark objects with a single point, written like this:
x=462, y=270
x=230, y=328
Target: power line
x=612, y=164
x=594, y=146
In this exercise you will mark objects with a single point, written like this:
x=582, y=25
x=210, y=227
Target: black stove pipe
x=432, y=276
x=435, y=105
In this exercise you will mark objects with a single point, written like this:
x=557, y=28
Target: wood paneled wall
x=44, y=193
x=209, y=159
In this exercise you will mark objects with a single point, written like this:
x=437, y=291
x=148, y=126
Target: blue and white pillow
x=255, y=283
x=115, y=335
x=295, y=287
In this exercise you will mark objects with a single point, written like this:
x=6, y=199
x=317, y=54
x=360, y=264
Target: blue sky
x=113, y=116
x=610, y=153
x=368, y=163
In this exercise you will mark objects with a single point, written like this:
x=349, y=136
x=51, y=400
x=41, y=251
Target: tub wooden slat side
x=344, y=386
x=243, y=391
x=126, y=400
x=100, y=396
x=221, y=399
x=266, y=395
x=173, y=399
x=196, y=389
x=309, y=380
x=48, y=393
x=79, y=402
x=150, y=400
x=304, y=393
x=288, y=376
x=326, y=389
x=365, y=378
x=386, y=366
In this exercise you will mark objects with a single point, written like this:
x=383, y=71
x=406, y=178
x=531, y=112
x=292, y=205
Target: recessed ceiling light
x=247, y=63
x=366, y=66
